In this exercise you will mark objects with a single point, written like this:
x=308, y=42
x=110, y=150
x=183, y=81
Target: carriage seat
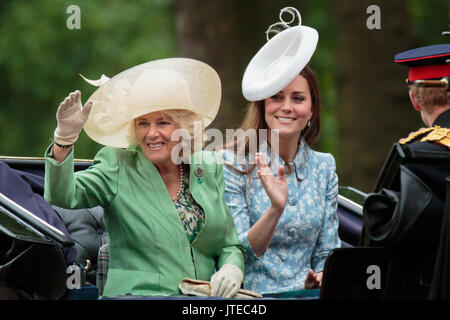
x=87, y=229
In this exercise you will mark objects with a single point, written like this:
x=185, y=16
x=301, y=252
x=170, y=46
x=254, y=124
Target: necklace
x=180, y=186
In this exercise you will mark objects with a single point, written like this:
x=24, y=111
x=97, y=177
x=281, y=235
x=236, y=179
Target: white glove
x=71, y=118
x=227, y=281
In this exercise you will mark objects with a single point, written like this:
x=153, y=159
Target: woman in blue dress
x=285, y=213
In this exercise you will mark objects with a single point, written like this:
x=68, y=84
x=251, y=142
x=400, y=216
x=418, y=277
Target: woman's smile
x=155, y=146
x=285, y=120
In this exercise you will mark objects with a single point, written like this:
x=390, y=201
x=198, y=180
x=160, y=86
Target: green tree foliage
x=321, y=15
x=429, y=19
x=41, y=59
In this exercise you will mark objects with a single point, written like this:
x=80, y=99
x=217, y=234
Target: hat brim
x=173, y=83
x=278, y=62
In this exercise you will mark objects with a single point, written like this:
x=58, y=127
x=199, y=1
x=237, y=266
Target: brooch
x=199, y=171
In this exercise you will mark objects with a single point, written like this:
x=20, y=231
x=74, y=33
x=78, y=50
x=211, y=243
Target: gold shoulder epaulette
x=415, y=135
x=438, y=135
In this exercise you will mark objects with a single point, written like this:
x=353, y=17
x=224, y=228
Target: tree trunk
x=205, y=31
x=374, y=109
x=224, y=34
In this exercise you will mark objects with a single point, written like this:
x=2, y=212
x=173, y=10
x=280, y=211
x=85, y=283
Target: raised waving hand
x=71, y=117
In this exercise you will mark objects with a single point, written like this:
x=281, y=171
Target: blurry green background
x=365, y=106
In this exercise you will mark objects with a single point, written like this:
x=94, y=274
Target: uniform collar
x=443, y=120
x=300, y=164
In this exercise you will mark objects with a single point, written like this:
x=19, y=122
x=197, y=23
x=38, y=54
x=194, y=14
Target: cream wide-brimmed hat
x=173, y=83
x=281, y=59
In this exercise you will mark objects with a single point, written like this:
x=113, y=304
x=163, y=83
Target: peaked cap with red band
x=426, y=63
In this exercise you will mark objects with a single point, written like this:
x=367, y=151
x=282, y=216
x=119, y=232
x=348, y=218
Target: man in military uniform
x=433, y=103
x=405, y=214
x=428, y=65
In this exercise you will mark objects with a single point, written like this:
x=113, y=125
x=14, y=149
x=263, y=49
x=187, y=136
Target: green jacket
x=149, y=248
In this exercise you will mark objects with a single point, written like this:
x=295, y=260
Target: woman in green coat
x=164, y=209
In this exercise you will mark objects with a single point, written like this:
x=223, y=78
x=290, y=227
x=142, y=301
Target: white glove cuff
x=64, y=140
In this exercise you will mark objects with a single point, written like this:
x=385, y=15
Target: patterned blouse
x=191, y=214
x=307, y=230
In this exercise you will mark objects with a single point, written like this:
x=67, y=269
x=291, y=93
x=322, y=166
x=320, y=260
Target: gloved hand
x=227, y=281
x=71, y=118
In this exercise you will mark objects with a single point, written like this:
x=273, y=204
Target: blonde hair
x=430, y=97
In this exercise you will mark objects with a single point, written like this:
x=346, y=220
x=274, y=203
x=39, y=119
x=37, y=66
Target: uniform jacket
x=149, y=248
x=411, y=201
x=307, y=230
x=406, y=212
x=432, y=174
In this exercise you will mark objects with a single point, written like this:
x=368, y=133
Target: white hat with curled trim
x=281, y=59
x=173, y=83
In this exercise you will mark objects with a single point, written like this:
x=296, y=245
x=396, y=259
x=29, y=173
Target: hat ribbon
x=292, y=11
x=99, y=82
